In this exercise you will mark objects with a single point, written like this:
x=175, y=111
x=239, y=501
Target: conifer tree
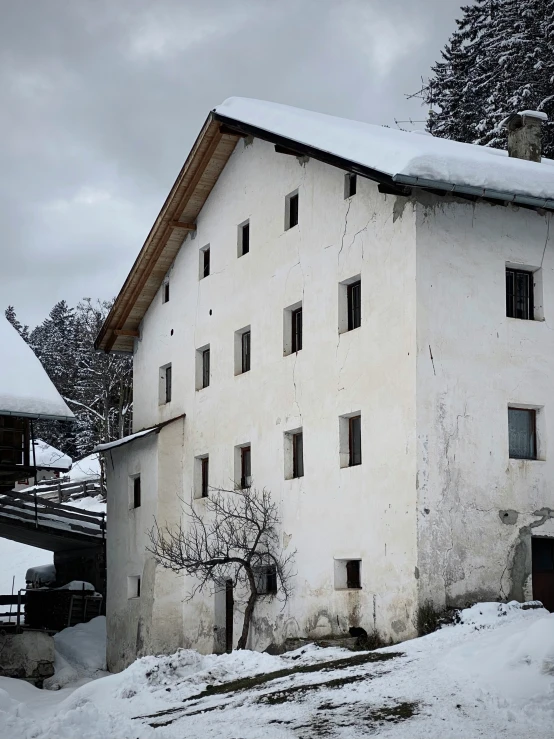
x=499, y=60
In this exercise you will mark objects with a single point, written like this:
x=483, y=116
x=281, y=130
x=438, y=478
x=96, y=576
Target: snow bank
x=395, y=152
x=491, y=675
x=25, y=388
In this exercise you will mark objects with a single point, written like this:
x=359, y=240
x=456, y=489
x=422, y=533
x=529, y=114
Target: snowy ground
x=490, y=676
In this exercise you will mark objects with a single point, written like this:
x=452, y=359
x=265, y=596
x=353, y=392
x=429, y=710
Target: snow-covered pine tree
x=499, y=60
x=13, y=319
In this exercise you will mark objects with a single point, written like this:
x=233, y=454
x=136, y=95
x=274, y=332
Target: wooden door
x=542, y=550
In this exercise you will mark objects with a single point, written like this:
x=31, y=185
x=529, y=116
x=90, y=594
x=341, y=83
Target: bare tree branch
x=238, y=539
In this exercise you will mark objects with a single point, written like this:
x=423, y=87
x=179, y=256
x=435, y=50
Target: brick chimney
x=525, y=134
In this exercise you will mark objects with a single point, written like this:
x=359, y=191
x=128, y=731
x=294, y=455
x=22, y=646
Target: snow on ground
x=492, y=675
x=80, y=654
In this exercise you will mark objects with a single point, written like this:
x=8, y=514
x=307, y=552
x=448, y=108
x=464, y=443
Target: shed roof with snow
x=47, y=457
x=25, y=388
x=397, y=160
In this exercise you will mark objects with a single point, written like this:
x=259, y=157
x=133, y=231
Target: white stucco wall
x=477, y=508
x=366, y=512
x=432, y=370
x=151, y=623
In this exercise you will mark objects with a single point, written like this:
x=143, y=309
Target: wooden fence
x=63, y=490
x=40, y=511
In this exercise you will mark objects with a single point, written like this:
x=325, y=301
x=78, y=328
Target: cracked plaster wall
x=476, y=507
x=366, y=511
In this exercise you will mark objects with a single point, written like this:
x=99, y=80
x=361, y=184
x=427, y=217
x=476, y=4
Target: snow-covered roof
x=86, y=468
x=48, y=457
x=25, y=388
x=399, y=154
x=125, y=439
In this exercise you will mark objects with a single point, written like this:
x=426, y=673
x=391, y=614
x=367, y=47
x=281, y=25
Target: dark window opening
x=205, y=368
x=543, y=554
x=292, y=211
x=165, y=292
x=519, y=294
x=136, y=492
x=353, y=574
x=245, y=467
x=245, y=351
x=138, y=587
x=206, y=262
x=354, y=305
x=245, y=238
x=351, y=181
x=297, y=455
x=355, y=441
x=167, y=384
x=205, y=470
x=267, y=580
x=296, y=338
x=522, y=433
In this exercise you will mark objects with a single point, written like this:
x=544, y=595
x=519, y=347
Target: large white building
x=386, y=295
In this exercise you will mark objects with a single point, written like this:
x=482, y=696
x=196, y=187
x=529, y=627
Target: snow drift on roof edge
x=393, y=152
x=25, y=388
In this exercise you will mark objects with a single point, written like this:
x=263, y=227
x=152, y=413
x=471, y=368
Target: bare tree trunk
x=248, y=612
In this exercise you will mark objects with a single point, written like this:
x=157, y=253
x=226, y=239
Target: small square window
x=204, y=262
x=294, y=454
x=350, y=440
x=242, y=350
x=292, y=329
x=165, y=292
x=296, y=330
x=165, y=387
x=243, y=466
x=350, y=304
x=350, y=183
x=522, y=427
x=133, y=586
x=519, y=294
x=291, y=210
x=266, y=579
x=355, y=440
x=201, y=476
x=348, y=574
x=136, y=492
x=206, y=367
x=298, y=455
x=244, y=239
x=354, y=305
x=203, y=367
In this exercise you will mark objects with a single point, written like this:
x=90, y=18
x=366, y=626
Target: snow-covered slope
x=490, y=676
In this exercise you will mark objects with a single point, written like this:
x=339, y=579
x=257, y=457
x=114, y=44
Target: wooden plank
x=126, y=332
x=59, y=507
x=183, y=226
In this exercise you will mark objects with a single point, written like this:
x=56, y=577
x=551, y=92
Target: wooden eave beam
x=126, y=332
x=176, y=207
x=184, y=226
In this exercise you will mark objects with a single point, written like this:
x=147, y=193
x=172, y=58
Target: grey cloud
x=101, y=100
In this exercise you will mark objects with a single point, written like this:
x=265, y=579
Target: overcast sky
x=100, y=101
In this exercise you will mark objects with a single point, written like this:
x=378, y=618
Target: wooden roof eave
x=195, y=181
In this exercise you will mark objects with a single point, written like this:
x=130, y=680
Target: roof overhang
x=195, y=181
x=38, y=416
